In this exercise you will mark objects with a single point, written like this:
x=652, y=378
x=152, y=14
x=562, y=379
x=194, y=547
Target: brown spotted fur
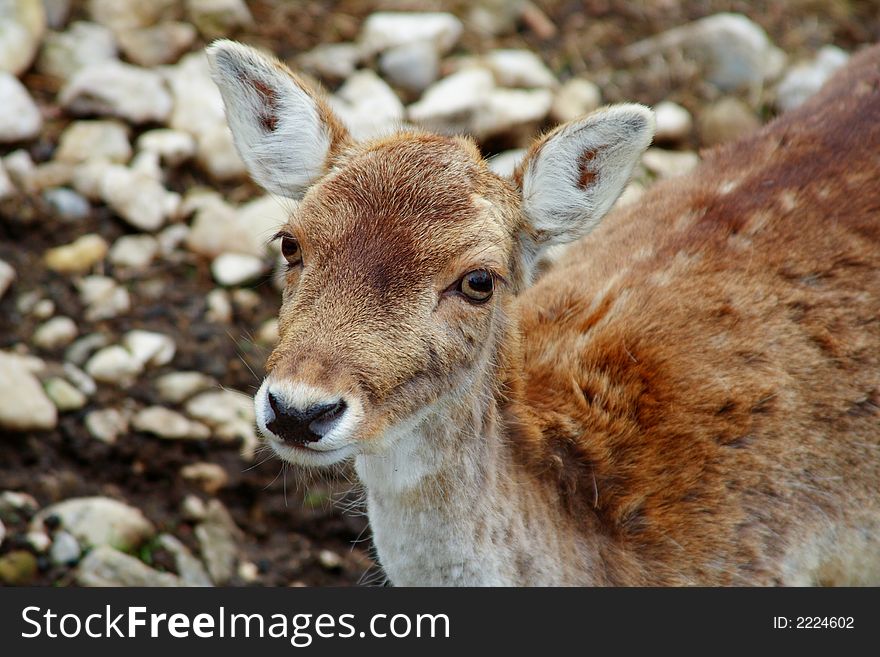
x=701, y=374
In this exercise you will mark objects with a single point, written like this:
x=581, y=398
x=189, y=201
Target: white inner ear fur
x=275, y=122
x=580, y=170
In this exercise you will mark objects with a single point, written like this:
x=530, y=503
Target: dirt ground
x=288, y=523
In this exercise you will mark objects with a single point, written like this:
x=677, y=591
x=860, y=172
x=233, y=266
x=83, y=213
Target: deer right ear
x=284, y=131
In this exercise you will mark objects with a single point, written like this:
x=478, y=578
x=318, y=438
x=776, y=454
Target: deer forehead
x=418, y=202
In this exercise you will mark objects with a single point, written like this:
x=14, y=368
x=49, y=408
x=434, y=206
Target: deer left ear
x=572, y=176
x=283, y=129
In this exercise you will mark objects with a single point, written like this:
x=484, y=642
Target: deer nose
x=304, y=426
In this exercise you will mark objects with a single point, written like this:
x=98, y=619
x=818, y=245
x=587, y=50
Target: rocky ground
x=137, y=297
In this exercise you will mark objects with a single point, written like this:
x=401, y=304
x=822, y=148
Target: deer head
x=405, y=254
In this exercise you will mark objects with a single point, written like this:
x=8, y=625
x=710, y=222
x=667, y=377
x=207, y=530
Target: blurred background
x=137, y=297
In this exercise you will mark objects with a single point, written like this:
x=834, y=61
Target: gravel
x=20, y=118
x=23, y=404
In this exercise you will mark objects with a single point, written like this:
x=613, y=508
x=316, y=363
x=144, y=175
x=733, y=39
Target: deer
x=688, y=395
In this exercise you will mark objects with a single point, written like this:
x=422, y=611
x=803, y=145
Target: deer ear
x=572, y=176
x=284, y=131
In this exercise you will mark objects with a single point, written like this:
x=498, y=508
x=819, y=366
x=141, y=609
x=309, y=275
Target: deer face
x=403, y=255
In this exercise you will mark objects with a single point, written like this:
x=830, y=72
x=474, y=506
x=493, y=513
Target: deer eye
x=291, y=251
x=477, y=285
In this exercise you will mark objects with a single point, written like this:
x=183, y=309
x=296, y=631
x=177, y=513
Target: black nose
x=303, y=426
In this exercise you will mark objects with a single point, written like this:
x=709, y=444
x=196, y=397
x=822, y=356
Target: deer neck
x=449, y=505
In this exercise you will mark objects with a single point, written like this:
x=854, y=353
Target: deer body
x=691, y=395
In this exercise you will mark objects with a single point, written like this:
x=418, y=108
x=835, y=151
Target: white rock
x=218, y=227
x=468, y=102
x=260, y=219
x=177, y=387
x=230, y=413
x=106, y=567
x=22, y=25
x=20, y=118
x=7, y=276
x=165, y=423
x=674, y=122
x=631, y=193
x=189, y=568
x=64, y=395
x=733, y=51
x=148, y=164
x=65, y=549
x=453, y=104
x=495, y=17
x=198, y=110
x=106, y=425
x=20, y=168
x=78, y=353
x=83, y=44
x=112, y=88
x=209, y=476
x=23, y=404
x=83, y=382
x=43, y=309
x=667, y=164
x=329, y=559
x=120, y=15
x=411, y=66
x=218, y=18
x=96, y=521
x=11, y=500
x=334, y=61
x=79, y=256
x=174, y=147
x=198, y=105
x=384, y=30
x=193, y=508
x=93, y=140
x=115, y=365
x=245, y=300
x=268, y=333
x=520, y=68
x=231, y=269
x=248, y=571
x=150, y=348
x=512, y=109
x=138, y=198
x=805, y=79
x=504, y=164
x=159, y=44
x=134, y=251
x=367, y=105
x=103, y=297
x=32, y=364
x=67, y=204
x=57, y=12
x=56, y=333
x=87, y=178
x=726, y=120
x=49, y=174
x=219, y=307
x=171, y=238
x=218, y=538
x=39, y=541
x=7, y=188
x=217, y=155
x=574, y=99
